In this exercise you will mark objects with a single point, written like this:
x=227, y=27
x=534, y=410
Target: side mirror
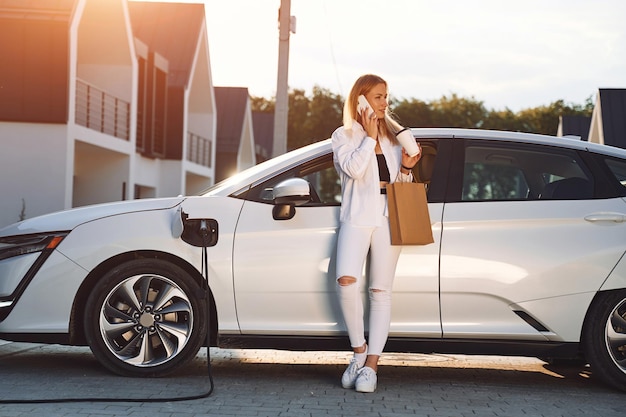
x=287, y=195
x=283, y=211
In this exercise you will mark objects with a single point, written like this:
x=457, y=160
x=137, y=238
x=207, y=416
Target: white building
x=102, y=100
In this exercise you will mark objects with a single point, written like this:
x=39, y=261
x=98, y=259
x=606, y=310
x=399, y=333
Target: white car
x=528, y=259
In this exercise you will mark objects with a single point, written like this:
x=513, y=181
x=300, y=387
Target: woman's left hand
x=411, y=161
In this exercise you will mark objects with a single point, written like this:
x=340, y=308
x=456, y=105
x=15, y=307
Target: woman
x=367, y=157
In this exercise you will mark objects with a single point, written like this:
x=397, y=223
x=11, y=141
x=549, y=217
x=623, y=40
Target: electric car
x=528, y=259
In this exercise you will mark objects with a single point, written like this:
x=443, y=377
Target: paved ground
x=296, y=384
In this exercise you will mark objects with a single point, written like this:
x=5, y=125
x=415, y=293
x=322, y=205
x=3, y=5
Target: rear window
x=495, y=172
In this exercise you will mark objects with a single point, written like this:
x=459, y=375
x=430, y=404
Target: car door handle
x=606, y=217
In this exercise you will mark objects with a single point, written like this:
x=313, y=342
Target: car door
x=415, y=299
x=520, y=259
x=284, y=274
x=283, y=270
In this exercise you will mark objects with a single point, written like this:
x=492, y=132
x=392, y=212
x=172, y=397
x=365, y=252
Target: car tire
x=604, y=338
x=145, y=317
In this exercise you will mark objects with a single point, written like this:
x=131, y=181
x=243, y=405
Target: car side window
x=321, y=175
x=618, y=169
x=523, y=172
x=325, y=183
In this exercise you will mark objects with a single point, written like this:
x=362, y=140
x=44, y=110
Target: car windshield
x=243, y=178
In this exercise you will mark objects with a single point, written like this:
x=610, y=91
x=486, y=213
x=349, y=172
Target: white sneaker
x=366, y=380
x=349, y=375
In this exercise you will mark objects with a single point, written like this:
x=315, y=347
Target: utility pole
x=286, y=24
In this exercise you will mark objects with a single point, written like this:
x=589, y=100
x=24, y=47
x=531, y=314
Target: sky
x=506, y=53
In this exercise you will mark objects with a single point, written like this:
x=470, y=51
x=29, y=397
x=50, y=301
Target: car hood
x=69, y=219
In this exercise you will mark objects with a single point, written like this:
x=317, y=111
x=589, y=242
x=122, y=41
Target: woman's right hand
x=370, y=124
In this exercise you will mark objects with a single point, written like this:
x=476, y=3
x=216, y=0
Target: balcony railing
x=198, y=149
x=100, y=111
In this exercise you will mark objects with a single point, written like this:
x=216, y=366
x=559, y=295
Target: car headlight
x=20, y=258
x=20, y=245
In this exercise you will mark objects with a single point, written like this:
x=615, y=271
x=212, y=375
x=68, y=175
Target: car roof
x=502, y=135
x=235, y=183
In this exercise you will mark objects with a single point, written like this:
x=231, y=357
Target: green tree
x=299, y=112
x=310, y=119
x=455, y=111
x=263, y=104
x=503, y=120
x=325, y=115
x=313, y=118
x=413, y=112
x=545, y=119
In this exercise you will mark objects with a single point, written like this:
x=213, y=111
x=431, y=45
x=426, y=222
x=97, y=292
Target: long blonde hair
x=363, y=85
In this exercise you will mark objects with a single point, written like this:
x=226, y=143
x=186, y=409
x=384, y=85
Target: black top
x=383, y=171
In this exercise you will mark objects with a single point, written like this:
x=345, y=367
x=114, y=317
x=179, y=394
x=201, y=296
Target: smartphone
x=364, y=104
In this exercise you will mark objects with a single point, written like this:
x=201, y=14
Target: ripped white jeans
x=353, y=245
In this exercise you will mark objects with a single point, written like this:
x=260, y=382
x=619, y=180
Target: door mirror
x=287, y=195
x=296, y=191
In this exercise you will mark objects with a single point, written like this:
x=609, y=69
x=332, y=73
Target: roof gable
x=172, y=30
x=575, y=126
x=35, y=50
x=231, y=104
x=36, y=9
x=613, y=107
x=263, y=127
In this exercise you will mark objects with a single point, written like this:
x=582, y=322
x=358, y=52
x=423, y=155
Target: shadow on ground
x=70, y=372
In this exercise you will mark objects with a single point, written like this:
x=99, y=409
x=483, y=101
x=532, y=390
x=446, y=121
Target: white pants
x=353, y=245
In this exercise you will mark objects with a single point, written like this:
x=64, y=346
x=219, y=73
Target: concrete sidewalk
x=279, y=383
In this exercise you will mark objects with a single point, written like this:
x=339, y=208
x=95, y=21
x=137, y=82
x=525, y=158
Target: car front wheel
x=145, y=318
x=605, y=338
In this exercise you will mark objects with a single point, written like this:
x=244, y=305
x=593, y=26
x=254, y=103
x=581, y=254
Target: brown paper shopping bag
x=409, y=220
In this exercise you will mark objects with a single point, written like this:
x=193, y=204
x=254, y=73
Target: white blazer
x=354, y=156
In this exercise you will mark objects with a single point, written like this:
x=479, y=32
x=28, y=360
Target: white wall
x=33, y=168
x=170, y=179
x=147, y=171
x=100, y=175
x=246, y=157
x=596, y=130
x=114, y=80
x=161, y=175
